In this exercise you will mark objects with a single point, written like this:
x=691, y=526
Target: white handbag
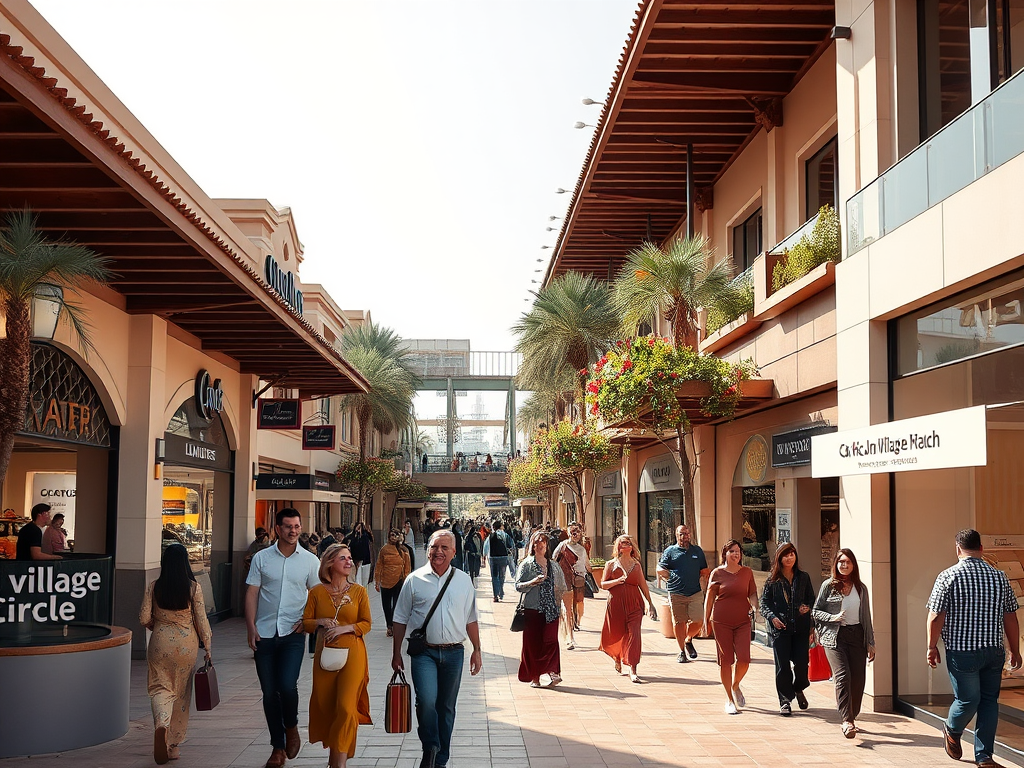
x=333, y=659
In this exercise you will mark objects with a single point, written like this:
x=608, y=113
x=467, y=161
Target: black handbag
x=590, y=587
x=519, y=617
x=753, y=630
x=417, y=639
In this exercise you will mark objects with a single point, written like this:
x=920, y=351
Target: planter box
x=789, y=296
x=730, y=332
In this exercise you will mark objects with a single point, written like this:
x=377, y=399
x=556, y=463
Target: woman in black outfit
x=786, y=606
x=360, y=543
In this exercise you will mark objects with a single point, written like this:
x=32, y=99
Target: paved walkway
x=594, y=719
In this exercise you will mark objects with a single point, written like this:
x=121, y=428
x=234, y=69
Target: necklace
x=339, y=597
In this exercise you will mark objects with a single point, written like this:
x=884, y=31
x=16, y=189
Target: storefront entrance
x=661, y=509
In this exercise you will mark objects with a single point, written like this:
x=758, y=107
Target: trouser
x=792, y=653
x=976, y=677
x=436, y=676
x=388, y=599
x=278, y=661
x=498, y=566
x=362, y=573
x=849, y=661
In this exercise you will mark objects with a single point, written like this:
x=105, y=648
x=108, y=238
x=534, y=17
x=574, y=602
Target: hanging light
x=44, y=312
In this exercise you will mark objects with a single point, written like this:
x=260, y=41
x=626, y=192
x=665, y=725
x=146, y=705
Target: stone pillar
x=140, y=494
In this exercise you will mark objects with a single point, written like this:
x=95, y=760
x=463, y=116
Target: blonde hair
x=329, y=556
x=632, y=546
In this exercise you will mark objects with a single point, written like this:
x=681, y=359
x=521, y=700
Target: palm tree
x=677, y=281
x=424, y=442
x=572, y=322
x=28, y=261
x=538, y=408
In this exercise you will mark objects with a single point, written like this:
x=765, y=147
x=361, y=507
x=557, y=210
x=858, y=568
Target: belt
x=445, y=646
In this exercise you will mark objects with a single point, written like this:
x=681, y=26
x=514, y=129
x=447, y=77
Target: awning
x=329, y=497
x=108, y=185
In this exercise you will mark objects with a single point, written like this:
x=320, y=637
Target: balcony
x=983, y=138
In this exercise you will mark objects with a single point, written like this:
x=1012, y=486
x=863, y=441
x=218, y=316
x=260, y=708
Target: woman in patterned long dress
x=624, y=579
x=174, y=610
x=339, y=703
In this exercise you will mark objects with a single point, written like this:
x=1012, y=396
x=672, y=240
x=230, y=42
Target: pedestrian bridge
x=439, y=476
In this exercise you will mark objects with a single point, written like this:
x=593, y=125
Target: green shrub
x=717, y=317
x=823, y=244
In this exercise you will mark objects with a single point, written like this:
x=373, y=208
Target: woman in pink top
x=730, y=601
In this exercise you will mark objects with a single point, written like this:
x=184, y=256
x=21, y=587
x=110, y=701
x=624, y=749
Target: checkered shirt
x=974, y=596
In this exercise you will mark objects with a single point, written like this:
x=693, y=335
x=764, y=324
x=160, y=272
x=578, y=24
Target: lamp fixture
x=539, y=261
x=44, y=311
x=552, y=218
x=545, y=247
x=551, y=229
x=561, y=191
x=841, y=33
x=590, y=102
x=580, y=125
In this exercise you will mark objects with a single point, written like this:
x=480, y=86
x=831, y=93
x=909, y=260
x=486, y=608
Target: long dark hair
x=173, y=588
x=785, y=549
x=854, y=574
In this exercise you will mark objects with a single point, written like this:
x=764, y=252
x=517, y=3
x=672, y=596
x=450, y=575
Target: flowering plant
x=647, y=372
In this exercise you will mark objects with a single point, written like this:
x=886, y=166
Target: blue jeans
x=436, y=676
x=498, y=566
x=278, y=661
x=976, y=677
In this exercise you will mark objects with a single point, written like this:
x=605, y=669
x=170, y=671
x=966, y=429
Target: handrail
x=984, y=137
x=804, y=229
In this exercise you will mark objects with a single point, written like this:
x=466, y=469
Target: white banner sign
x=58, y=490
x=938, y=441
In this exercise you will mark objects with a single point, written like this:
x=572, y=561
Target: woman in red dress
x=730, y=602
x=624, y=579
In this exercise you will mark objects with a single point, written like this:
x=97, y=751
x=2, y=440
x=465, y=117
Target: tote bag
x=818, y=668
x=398, y=705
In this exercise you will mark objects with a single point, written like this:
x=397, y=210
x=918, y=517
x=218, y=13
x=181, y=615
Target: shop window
x=757, y=537
x=611, y=525
x=981, y=321
x=820, y=179
x=746, y=241
x=664, y=513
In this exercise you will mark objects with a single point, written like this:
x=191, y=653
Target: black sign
x=267, y=482
x=209, y=395
x=37, y=596
x=63, y=404
x=278, y=414
x=184, y=452
x=282, y=282
x=318, y=438
x=793, y=449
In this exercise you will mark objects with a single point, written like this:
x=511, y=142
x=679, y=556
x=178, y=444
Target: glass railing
x=805, y=229
x=984, y=137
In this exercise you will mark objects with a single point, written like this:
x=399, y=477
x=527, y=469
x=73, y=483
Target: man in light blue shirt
x=279, y=579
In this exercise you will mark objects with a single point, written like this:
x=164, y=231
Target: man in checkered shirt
x=972, y=606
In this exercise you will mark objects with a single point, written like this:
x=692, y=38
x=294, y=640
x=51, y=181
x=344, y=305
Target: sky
x=418, y=144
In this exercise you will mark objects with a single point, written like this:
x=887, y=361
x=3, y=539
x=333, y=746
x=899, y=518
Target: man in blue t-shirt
x=685, y=567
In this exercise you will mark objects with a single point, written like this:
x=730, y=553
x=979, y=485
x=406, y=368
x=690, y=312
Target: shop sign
x=209, y=395
x=283, y=283
x=659, y=474
x=318, y=438
x=783, y=525
x=610, y=484
x=59, y=490
x=273, y=413
x=938, y=441
x=63, y=404
x=185, y=452
x=274, y=482
x=793, y=449
x=34, y=596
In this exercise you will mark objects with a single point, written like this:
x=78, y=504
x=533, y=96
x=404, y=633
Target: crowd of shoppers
x=972, y=609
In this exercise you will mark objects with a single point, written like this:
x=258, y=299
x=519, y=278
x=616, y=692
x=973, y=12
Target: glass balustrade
x=984, y=137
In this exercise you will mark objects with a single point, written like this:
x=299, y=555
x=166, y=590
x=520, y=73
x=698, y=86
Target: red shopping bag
x=819, y=668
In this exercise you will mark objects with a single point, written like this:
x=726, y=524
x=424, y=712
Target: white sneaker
x=570, y=645
x=730, y=709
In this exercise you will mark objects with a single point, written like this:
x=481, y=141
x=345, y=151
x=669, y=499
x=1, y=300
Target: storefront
x=63, y=455
x=609, y=512
x=197, y=506
x=315, y=492
x=661, y=509
x=952, y=356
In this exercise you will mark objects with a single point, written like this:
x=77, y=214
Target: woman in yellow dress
x=173, y=609
x=339, y=703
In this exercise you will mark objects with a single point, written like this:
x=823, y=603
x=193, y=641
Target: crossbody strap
x=437, y=600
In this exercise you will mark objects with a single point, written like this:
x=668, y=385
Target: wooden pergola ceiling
x=84, y=187
x=710, y=74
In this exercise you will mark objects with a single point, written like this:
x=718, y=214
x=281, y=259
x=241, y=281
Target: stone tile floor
x=595, y=718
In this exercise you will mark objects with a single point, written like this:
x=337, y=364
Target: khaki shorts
x=687, y=609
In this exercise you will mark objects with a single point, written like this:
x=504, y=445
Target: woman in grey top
x=842, y=618
x=542, y=584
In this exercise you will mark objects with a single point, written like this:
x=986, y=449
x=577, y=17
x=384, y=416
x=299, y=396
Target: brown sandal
x=951, y=743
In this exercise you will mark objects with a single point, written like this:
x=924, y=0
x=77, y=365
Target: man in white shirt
x=279, y=579
x=437, y=673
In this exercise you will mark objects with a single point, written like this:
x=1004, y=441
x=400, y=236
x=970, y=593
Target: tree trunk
x=686, y=475
x=15, y=359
